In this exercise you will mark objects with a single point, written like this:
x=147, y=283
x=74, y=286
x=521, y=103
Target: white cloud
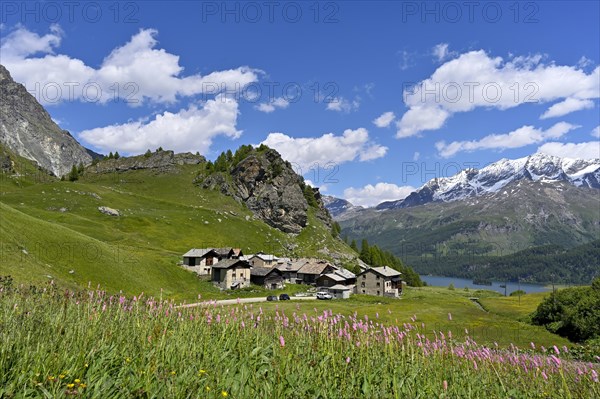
x=566, y=107
x=340, y=104
x=584, y=62
x=189, y=129
x=417, y=119
x=139, y=70
x=270, y=106
x=327, y=149
x=521, y=137
x=589, y=150
x=370, y=195
x=385, y=119
x=441, y=52
x=416, y=156
x=475, y=80
x=596, y=132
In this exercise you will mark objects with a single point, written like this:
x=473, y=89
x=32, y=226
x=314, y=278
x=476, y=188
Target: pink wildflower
x=281, y=341
x=450, y=316
x=348, y=360
x=445, y=385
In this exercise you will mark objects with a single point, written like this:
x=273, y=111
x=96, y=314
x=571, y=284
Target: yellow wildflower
x=61, y=376
x=50, y=378
x=201, y=372
x=224, y=394
x=172, y=372
x=77, y=380
x=207, y=389
x=128, y=360
x=82, y=385
x=70, y=385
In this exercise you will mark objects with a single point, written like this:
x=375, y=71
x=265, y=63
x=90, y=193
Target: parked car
x=324, y=295
x=272, y=298
x=284, y=297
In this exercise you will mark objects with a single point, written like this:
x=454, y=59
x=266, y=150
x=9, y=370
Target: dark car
x=284, y=297
x=272, y=298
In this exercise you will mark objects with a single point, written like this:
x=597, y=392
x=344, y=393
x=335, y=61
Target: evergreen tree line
x=542, y=264
x=375, y=256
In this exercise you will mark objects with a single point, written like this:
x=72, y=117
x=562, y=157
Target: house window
x=363, y=291
x=234, y=274
x=378, y=293
x=209, y=261
x=379, y=284
x=377, y=277
x=364, y=276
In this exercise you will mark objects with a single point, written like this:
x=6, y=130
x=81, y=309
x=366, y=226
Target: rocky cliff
x=28, y=130
x=161, y=161
x=269, y=187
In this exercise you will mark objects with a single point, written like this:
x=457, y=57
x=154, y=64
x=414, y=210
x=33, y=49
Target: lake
x=460, y=283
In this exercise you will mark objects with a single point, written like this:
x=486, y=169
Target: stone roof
x=263, y=271
x=335, y=277
x=339, y=287
x=345, y=273
x=292, y=266
x=384, y=271
x=229, y=263
x=314, y=267
x=197, y=252
x=223, y=251
x=265, y=257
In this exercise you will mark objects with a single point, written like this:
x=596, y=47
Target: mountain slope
x=523, y=214
x=493, y=178
x=340, y=209
x=29, y=131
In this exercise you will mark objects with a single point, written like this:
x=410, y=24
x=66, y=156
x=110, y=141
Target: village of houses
x=230, y=269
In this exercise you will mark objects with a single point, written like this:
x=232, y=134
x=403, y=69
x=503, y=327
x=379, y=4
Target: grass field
x=55, y=229
x=93, y=345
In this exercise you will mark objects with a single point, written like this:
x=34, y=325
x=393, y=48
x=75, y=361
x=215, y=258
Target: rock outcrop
x=270, y=189
x=29, y=131
x=109, y=211
x=161, y=161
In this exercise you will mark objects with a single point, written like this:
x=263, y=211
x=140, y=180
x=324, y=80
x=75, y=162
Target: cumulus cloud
x=270, y=106
x=474, y=80
x=385, y=119
x=589, y=150
x=340, y=104
x=190, y=129
x=596, y=132
x=371, y=195
x=136, y=72
x=327, y=149
x=566, y=107
x=521, y=137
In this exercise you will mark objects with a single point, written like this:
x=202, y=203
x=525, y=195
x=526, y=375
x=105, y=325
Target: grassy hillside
x=55, y=229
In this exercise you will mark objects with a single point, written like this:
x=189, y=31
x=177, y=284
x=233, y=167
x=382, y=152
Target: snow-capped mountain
x=338, y=208
x=492, y=178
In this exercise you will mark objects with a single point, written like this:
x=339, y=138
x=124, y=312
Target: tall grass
x=92, y=344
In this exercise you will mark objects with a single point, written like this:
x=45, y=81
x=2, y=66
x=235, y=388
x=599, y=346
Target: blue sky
x=368, y=99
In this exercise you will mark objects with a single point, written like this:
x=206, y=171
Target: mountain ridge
x=494, y=177
x=27, y=129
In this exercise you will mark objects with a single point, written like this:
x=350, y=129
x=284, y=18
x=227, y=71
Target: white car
x=324, y=295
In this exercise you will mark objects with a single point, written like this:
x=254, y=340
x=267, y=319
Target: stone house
x=379, y=281
x=311, y=270
x=329, y=280
x=270, y=278
x=262, y=260
x=340, y=291
x=200, y=260
x=231, y=274
x=290, y=269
